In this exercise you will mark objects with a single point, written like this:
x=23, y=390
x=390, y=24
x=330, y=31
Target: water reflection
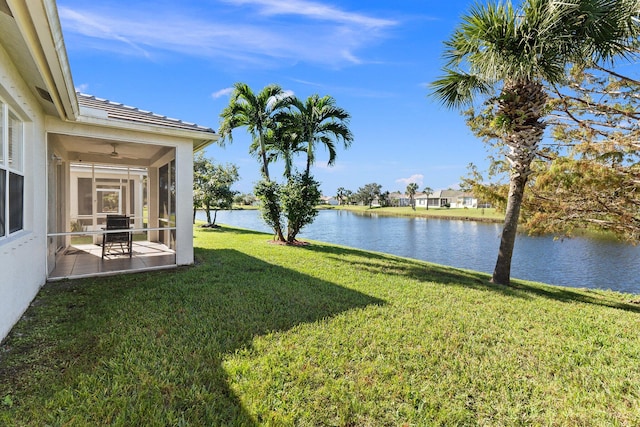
x=577, y=262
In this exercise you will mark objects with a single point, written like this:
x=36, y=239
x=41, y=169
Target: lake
x=598, y=263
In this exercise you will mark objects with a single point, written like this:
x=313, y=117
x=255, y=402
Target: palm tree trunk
x=522, y=105
x=310, y=157
x=263, y=153
x=265, y=172
x=502, y=271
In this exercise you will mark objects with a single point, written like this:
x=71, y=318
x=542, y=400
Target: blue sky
x=180, y=59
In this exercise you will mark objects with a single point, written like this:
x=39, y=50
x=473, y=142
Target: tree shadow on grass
x=125, y=349
x=223, y=228
x=450, y=276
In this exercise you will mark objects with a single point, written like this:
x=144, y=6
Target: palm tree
x=510, y=54
x=427, y=191
x=319, y=120
x=281, y=144
x=411, y=191
x=256, y=112
x=340, y=194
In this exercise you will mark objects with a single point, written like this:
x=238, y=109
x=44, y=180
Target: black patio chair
x=122, y=241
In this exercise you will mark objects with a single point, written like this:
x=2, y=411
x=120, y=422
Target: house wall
x=433, y=202
x=184, y=204
x=21, y=273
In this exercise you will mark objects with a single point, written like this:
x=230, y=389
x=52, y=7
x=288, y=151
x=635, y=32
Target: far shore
x=466, y=214
x=472, y=214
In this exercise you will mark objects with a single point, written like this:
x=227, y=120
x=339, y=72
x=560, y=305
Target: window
x=16, y=192
x=11, y=172
x=109, y=201
x=85, y=196
x=3, y=213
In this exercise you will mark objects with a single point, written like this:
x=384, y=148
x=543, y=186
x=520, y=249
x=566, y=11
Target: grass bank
x=258, y=334
x=485, y=215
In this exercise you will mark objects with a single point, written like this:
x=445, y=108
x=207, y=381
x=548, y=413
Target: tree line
x=371, y=192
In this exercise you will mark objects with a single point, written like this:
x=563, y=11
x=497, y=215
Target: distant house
x=329, y=200
x=399, y=199
x=446, y=198
x=68, y=160
x=465, y=200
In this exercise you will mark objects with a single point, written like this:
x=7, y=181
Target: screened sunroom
x=141, y=172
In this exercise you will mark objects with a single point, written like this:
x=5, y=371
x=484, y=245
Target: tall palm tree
x=256, y=112
x=510, y=54
x=319, y=120
x=282, y=144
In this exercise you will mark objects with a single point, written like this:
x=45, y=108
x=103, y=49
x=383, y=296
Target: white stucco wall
x=23, y=255
x=184, y=204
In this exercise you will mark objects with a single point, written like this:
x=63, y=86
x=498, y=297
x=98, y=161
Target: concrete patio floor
x=82, y=260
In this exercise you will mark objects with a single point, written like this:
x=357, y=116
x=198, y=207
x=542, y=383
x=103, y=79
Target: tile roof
x=123, y=112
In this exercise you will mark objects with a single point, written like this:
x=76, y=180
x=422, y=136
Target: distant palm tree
x=348, y=196
x=318, y=120
x=411, y=191
x=340, y=194
x=427, y=191
x=506, y=55
x=256, y=112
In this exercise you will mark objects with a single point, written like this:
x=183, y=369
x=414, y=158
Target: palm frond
x=331, y=148
x=457, y=89
x=597, y=30
x=337, y=131
x=495, y=42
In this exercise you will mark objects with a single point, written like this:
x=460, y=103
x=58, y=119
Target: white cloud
x=222, y=92
x=97, y=26
x=418, y=178
x=308, y=83
x=323, y=166
x=82, y=88
x=316, y=33
x=315, y=10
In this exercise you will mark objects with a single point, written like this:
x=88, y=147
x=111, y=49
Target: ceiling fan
x=114, y=154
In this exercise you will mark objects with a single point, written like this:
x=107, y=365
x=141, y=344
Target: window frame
x=12, y=165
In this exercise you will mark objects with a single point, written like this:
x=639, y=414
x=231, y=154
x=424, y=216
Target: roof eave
x=204, y=143
x=40, y=27
x=201, y=139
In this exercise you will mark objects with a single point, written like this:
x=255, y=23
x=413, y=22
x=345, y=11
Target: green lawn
x=488, y=214
x=259, y=334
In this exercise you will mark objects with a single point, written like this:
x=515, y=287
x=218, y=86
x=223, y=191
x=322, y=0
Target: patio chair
x=123, y=242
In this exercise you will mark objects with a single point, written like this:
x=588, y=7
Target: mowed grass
x=259, y=334
x=482, y=214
